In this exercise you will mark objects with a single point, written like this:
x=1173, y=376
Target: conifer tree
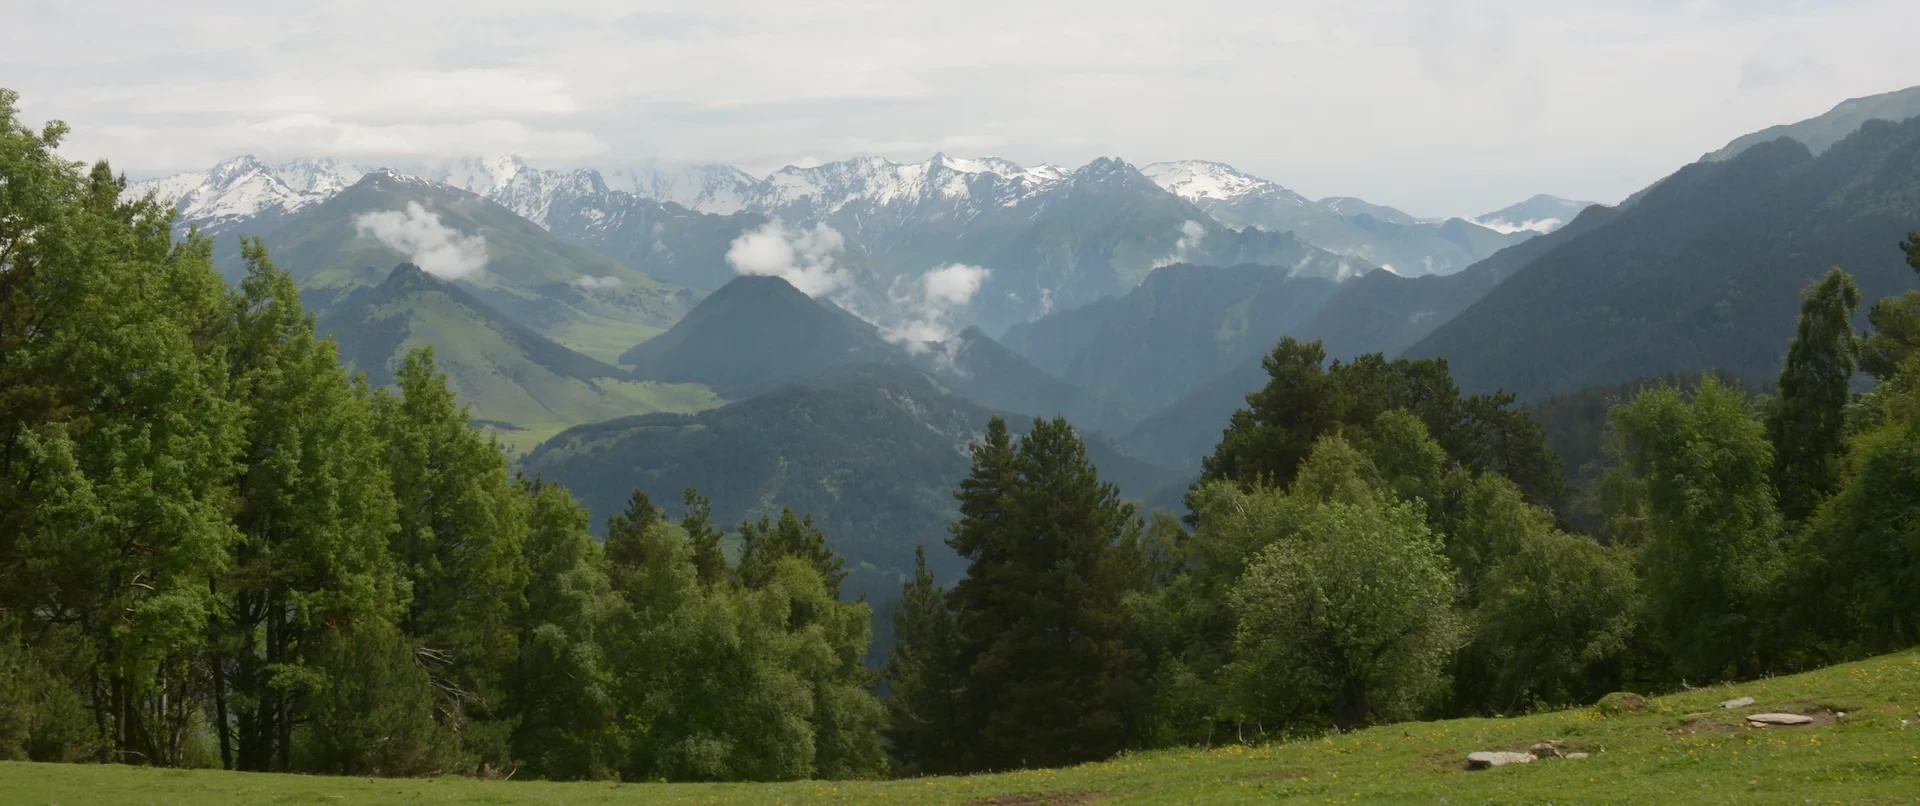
x=765, y=542
x=1051, y=677
x=923, y=675
x=708, y=559
x=1807, y=425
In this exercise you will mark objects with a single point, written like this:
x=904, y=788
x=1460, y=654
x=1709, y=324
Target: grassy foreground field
x=1680, y=749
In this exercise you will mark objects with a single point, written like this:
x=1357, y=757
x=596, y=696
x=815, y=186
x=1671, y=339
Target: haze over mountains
x=689, y=306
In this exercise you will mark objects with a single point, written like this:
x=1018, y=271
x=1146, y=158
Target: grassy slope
x=1657, y=756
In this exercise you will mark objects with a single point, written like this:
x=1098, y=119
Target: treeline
x=1368, y=546
x=219, y=549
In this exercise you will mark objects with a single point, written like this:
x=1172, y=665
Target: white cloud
x=926, y=308
x=437, y=249
x=1505, y=227
x=806, y=258
x=1191, y=233
x=590, y=282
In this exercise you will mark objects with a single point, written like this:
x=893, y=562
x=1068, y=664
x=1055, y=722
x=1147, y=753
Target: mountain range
x=888, y=308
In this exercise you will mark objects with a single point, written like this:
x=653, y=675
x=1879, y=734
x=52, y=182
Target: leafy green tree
x=315, y=514
x=1345, y=615
x=923, y=674
x=1852, y=587
x=1713, y=547
x=461, y=546
x=115, y=436
x=1051, y=677
x=1807, y=423
x=1551, y=614
x=563, y=689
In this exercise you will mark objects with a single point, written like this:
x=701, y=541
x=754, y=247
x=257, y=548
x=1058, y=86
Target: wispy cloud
x=436, y=248
x=809, y=259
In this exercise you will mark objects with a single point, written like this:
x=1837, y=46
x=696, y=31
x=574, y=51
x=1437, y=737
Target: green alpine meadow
x=810, y=403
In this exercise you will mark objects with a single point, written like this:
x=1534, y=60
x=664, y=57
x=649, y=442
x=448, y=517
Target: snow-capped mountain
x=511, y=183
x=706, y=188
x=244, y=189
x=1542, y=214
x=1237, y=199
x=1350, y=206
x=870, y=195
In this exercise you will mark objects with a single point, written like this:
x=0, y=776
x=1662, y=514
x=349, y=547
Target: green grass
x=1661, y=755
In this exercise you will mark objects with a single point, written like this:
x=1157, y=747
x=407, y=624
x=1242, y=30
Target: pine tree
x=764, y=543
x=1050, y=674
x=923, y=674
x=697, y=522
x=1807, y=424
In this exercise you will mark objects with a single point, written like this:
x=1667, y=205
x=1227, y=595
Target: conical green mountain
x=515, y=379
x=571, y=294
x=874, y=455
x=756, y=334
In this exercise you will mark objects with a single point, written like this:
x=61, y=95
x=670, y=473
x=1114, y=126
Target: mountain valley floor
x=1862, y=747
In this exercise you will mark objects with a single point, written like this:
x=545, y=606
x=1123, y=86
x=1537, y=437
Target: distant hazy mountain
x=1704, y=271
x=875, y=456
x=1821, y=132
x=1380, y=312
x=1350, y=206
x=1378, y=235
x=986, y=372
x=575, y=296
x=1541, y=213
x=513, y=378
x=1178, y=330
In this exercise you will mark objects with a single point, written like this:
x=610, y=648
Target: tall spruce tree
x=1050, y=675
x=1807, y=424
x=923, y=675
x=708, y=558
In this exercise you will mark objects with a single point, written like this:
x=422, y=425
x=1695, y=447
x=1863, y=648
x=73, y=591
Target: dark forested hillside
x=1179, y=329
x=874, y=455
x=1383, y=312
x=1705, y=271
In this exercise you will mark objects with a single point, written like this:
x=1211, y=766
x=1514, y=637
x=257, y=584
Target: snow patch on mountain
x=244, y=188
x=1200, y=181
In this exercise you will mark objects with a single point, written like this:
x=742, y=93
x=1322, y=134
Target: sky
x=1439, y=107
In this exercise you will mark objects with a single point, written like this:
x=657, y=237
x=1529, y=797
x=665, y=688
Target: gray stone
x=1497, y=758
x=1739, y=703
x=1577, y=755
x=1779, y=719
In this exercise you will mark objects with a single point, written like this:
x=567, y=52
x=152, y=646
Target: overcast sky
x=1435, y=106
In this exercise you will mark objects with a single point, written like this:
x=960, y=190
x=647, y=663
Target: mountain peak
x=1203, y=180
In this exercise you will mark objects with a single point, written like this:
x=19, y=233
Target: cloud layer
x=1435, y=106
x=436, y=248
